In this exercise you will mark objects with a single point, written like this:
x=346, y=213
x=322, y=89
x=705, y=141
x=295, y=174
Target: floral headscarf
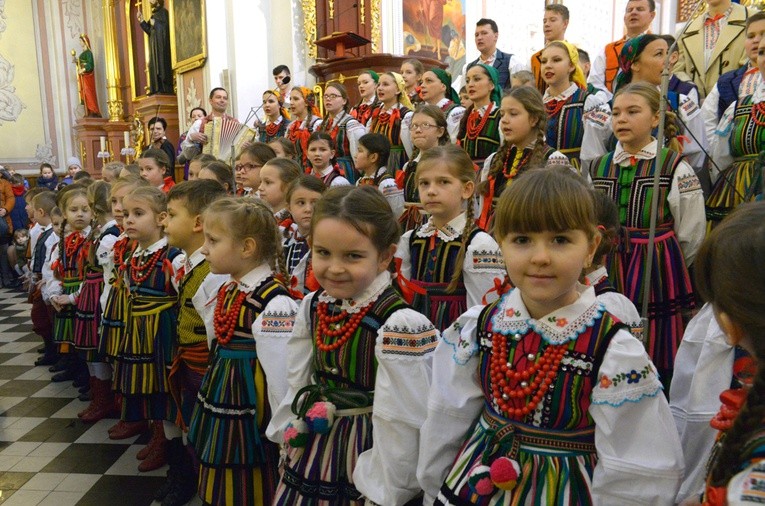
x=403, y=98
x=630, y=53
x=446, y=79
x=310, y=100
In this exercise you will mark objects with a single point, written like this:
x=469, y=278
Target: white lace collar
x=563, y=96
x=450, y=232
x=558, y=327
x=277, y=122
x=597, y=275
x=647, y=152
x=252, y=279
x=151, y=249
x=372, y=292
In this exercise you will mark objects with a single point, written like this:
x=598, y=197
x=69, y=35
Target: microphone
x=286, y=80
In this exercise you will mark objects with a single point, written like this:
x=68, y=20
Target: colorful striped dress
x=591, y=429
x=298, y=132
x=145, y=352
x=479, y=133
x=379, y=377
x=628, y=180
x=246, y=377
x=565, y=123
x=363, y=111
x=272, y=130
x=428, y=257
x=393, y=124
x=87, y=325
x=736, y=144
x=69, y=265
x=346, y=132
x=114, y=316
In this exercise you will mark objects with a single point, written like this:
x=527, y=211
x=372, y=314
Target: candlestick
x=127, y=138
x=103, y=143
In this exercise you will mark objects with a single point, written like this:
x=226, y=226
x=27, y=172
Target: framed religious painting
x=188, y=34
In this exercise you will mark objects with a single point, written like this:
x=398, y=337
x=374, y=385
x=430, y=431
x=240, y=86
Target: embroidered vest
x=728, y=86
x=38, y=259
x=487, y=141
x=281, y=132
x=502, y=64
x=191, y=327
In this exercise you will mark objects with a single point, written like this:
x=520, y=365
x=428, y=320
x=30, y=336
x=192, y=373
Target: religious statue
x=160, y=66
x=86, y=79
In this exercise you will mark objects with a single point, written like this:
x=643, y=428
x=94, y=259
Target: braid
x=748, y=420
x=469, y=226
x=61, y=242
x=92, y=240
x=463, y=122
x=494, y=169
x=538, y=152
x=671, y=131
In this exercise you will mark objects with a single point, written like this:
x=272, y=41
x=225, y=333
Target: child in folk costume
x=305, y=120
x=156, y=169
x=87, y=326
x=196, y=286
x=523, y=122
x=626, y=175
x=367, y=85
x=735, y=145
x=391, y=119
x=560, y=404
x=302, y=196
x=277, y=118
x=735, y=286
x=275, y=177
x=321, y=155
x=146, y=348
x=566, y=99
x=448, y=264
x=68, y=265
x=248, y=164
x=359, y=366
x=371, y=161
x=253, y=317
x=437, y=90
x=342, y=127
x=479, y=130
x=412, y=70
x=428, y=130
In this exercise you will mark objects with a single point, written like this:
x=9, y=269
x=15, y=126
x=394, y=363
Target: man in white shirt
x=486, y=35
x=219, y=104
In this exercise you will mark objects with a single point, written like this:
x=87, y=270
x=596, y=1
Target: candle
x=103, y=143
x=127, y=139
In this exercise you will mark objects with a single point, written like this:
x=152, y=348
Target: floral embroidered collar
x=372, y=292
x=563, y=96
x=252, y=279
x=725, y=14
x=151, y=249
x=450, y=232
x=647, y=152
x=597, y=276
x=558, y=327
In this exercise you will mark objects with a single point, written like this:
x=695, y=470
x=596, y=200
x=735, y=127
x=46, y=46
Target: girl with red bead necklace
x=479, y=129
x=277, y=118
x=342, y=127
x=145, y=349
x=359, y=358
x=392, y=117
x=559, y=402
x=305, y=120
x=246, y=380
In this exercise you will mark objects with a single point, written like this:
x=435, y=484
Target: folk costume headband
x=630, y=53
x=279, y=98
x=310, y=100
x=403, y=98
x=374, y=75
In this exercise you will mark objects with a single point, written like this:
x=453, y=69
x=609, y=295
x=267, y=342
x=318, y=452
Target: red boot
x=157, y=456
x=157, y=434
x=103, y=402
x=124, y=430
x=92, y=401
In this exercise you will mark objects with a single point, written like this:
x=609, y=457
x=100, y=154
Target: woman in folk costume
x=735, y=145
x=391, y=119
x=566, y=99
x=436, y=89
x=343, y=128
x=277, y=118
x=626, y=175
x=305, y=119
x=367, y=85
x=479, y=130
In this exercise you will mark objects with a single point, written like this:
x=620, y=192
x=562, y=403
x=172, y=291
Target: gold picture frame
x=188, y=44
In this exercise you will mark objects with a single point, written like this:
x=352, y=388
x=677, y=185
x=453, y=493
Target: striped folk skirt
x=733, y=187
x=556, y=466
x=113, y=322
x=145, y=355
x=441, y=307
x=88, y=319
x=63, y=324
x=321, y=473
x=186, y=374
x=238, y=465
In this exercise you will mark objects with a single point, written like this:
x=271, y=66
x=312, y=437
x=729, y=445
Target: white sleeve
x=354, y=130
x=482, y=266
x=621, y=307
x=202, y=300
x=271, y=331
x=745, y=488
x=719, y=147
x=51, y=286
x=299, y=370
x=709, y=112
x=597, y=76
x=340, y=181
x=454, y=402
x=194, y=129
x=403, y=253
x=517, y=64
x=703, y=369
x=686, y=203
x=386, y=473
x=597, y=132
x=694, y=131
x=639, y=456
x=177, y=263
x=394, y=195
x=405, y=135
x=453, y=121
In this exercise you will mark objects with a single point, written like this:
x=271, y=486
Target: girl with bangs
x=560, y=403
x=277, y=118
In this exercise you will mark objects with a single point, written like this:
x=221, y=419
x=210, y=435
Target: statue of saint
x=86, y=79
x=160, y=66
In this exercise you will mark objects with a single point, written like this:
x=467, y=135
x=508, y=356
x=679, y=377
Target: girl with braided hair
x=391, y=119
x=305, y=120
x=448, y=264
x=626, y=175
x=523, y=121
x=735, y=286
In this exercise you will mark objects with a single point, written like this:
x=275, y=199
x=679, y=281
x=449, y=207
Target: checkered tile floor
x=47, y=455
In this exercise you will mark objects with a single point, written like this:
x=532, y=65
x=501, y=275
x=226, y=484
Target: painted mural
x=436, y=29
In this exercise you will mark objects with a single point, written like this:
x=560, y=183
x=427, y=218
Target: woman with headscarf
x=306, y=118
x=87, y=79
x=479, y=129
x=277, y=117
x=436, y=89
x=367, y=84
x=566, y=99
x=642, y=60
x=391, y=118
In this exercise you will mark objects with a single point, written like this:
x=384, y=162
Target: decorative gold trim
x=309, y=26
x=198, y=59
x=331, y=9
x=376, y=25
x=362, y=12
x=319, y=92
x=83, y=155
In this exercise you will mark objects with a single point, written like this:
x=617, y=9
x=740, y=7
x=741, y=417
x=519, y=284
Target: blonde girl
x=247, y=374
x=275, y=178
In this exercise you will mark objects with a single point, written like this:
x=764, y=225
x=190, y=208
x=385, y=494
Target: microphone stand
x=657, y=164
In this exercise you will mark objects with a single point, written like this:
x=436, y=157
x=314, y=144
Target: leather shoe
x=129, y=429
x=62, y=376
x=46, y=360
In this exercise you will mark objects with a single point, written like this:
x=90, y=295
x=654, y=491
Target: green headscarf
x=374, y=75
x=446, y=79
x=496, y=94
